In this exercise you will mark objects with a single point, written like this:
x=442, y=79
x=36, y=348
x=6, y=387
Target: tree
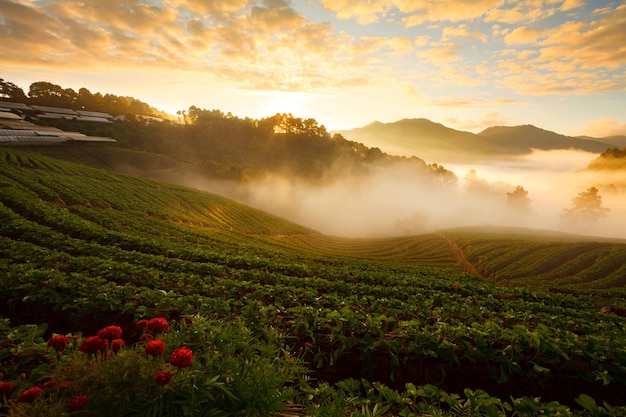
x=518, y=201
x=11, y=92
x=45, y=93
x=86, y=101
x=476, y=185
x=586, y=209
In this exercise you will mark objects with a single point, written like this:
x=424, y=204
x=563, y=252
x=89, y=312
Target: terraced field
x=545, y=260
x=426, y=250
x=281, y=316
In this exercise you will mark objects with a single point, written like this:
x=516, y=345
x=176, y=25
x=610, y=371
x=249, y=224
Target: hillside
x=238, y=149
x=521, y=139
x=435, y=142
x=542, y=259
x=277, y=314
x=613, y=159
x=430, y=141
x=617, y=141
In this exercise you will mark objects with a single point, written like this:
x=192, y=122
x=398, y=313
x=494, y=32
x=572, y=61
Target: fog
x=388, y=202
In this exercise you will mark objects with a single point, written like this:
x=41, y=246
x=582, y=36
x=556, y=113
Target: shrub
x=197, y=367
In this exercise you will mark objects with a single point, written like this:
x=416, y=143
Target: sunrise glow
x=560, y=65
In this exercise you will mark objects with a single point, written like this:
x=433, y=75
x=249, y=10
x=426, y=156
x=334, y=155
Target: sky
x=468, y=64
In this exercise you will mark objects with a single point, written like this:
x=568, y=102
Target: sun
x=285, y=102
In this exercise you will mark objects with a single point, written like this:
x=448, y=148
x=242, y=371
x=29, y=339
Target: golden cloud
x=571, y=4
x=362, y=12
x=522, y=35
x=269, y=43
x=461, y=32
x=442, y=54
x=604, y=127
x=576, y=56
x=482, y=122
x=260, y=46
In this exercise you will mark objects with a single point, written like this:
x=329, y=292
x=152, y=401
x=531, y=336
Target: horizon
x=558, y=65
x=372, y=122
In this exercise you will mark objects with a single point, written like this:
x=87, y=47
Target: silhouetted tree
x=11, y=92
x=586, y=209
x=86, y=100
x=518, y=201
x=45, y=93
x=445, y=177
x=476, y=185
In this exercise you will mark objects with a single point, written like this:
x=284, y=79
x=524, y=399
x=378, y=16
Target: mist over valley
x=295, y=169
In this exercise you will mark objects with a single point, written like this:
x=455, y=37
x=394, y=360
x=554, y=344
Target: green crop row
x=78, y=248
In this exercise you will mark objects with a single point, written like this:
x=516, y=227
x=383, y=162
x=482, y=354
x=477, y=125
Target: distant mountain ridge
x=618, y=141
x=433, y=141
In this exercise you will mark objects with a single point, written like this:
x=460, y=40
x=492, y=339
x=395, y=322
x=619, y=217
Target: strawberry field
x=281, y=319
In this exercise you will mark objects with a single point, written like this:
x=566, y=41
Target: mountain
x=618, y=141
x=430, y=141
x=524, y=138
x=435, y=142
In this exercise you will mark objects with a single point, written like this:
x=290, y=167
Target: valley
x=368, y=321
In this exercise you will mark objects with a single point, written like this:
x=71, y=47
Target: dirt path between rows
x=459, y=256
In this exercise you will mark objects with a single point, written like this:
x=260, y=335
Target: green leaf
x=586, y=402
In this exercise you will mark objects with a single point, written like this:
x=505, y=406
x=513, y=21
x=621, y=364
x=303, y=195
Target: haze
x=392, y=203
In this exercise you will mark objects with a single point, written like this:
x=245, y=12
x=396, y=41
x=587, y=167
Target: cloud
x=442, y=54
x=581, y=57
x=603, y=127
x=522, y=35
x=571, y=4
x=597, y=44
x=412, y=12
x=279, y=17
x=461, y=32
x=423, y=11
x=214, y=8
x=522, y=12
x=362, y=12
x=269, y=45
x=480, y=123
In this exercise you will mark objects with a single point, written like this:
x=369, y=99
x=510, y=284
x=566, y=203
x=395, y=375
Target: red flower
x=181, y=357
x=6, y=388
x=58, y=342
x=93, y=344
x=155, y=347
x=145, y=337
x=163, y=377
x=141, y=324
x=308, y=344
x=110, y=332
x=77, y=403
x=117, y=344
x=158, y=324
x=50, y=384
x=65, y=385
x=29, y=395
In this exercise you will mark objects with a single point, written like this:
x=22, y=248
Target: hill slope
x=82, y=248
x=531, y=258
x=521, y=139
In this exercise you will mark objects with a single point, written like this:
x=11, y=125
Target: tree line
x=243, y=148
x=44, y=93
